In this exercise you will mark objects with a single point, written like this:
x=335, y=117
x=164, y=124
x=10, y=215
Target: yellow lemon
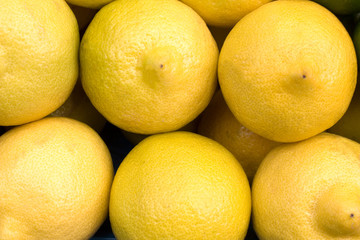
x=218, y=123
x=79, y=107
x=55, y=179
x=148, y=66
x=2, y=130
x=92, y=4
x=38, y=58
x=309, y=190
x=224, y=13
x=180, y=185
x=287, y=74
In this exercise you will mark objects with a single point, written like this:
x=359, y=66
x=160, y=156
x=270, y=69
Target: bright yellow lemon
x=180, y=185
x=148, y=66
x=288, y=74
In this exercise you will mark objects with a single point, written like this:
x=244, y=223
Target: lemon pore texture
x=309, y=190
x=148, y=66
x=55, y=180
x=180, y=185
x=38, y=58
x=287, y=74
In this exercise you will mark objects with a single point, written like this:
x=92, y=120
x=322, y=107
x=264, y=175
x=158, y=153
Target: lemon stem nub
x=338, y=211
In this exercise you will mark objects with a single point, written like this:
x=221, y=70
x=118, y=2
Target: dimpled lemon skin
x=55, y=180
x=180, y=185
x=38, y=58
x=148, y=66
x=287, y=74
x=224, y=13
x=309, y=190
x=218, y=123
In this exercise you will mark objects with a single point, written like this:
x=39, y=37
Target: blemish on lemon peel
x=154, y=72
x=335, y=210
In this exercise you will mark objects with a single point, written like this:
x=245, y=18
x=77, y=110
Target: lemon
x=342, y=7
x=55, y=180
x=92, y=4
x=148, y=66
x=179, y=185
x=309, y=190
x=218, y=123
x=284, y=79
x=38, y=58
x=224, y=13
x=79, y=107
x=135, y=138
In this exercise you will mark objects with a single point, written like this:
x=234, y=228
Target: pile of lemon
x=243, y=114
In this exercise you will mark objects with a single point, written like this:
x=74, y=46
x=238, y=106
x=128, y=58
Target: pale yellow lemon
x=92, y=4
x=180, y=185
x=287, y=74
x=224, y=13
x=79, y=107
x=148, y=66
x=55, y=179
x=135, y=138
x=218, y=123
x=38, y=58
x=309, y=190
x=219, y=34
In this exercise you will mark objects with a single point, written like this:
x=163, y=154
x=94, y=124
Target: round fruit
x=309, y=190
x=180, y=185
x=284, y=79
x=218, y=123
x=148, y=66
x=38, y=58
x=135, y=138
x=55, y=180
x=224, y=13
